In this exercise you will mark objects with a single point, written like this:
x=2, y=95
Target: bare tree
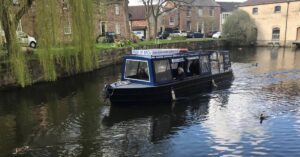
x=11, y=11
x=147, y=5
x=156, y=8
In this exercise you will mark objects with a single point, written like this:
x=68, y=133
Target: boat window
x=215, y=69
x=193, y=67
x=204, y=64
x=179, y=70
x=136, y=70
x=227, y=65
x=221, y=62
x=162, y=70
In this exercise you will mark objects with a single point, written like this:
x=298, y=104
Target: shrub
x=239, y=28
x=178, y=37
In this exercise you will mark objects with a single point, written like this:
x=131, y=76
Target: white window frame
x=117, y=28
x=67, y=26
x=135, y=60
x=277, y=6
x=117, y=9
x=172, y=22
x=256, y=11
x=211, y=11
x=200, y=11
x=189, y=11
x=275, y=37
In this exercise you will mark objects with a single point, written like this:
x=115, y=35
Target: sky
x=138, y=2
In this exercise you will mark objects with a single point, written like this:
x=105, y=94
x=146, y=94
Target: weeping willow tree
x=83, y=32
x=47, y=30
x=81, y=57
x=10, y=15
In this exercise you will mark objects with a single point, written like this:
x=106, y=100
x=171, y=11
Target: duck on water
x=164, y=75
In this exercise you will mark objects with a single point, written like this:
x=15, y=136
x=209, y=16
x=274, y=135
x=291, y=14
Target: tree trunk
x=155, y=26
x=128, y=35
x=149, y=36
x=9, y=31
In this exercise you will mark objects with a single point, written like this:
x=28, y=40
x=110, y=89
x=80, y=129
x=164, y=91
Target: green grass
x=105, y=46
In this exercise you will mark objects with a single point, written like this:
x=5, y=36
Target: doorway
x=298, y=34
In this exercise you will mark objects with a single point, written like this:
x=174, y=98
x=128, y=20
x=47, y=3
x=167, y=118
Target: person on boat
x=194, y=68
x=180, y=73
x=142, y=74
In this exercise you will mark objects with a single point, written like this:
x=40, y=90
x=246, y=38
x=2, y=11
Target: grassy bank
x=147, y=43
x=68, y=60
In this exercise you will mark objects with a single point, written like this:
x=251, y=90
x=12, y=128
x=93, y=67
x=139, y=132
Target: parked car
x=195, y=35
x=163, y=35
x=108, y=37
x=178, y=33
x=217, y=35
x=23, y=39
x=139, y=34
x=210, y=34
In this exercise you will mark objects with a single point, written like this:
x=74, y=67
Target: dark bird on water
x=262, y=117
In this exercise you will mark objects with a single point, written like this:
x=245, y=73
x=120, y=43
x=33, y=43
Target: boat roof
x=166, y=53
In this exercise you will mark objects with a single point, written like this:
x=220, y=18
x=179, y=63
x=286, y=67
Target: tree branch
x=23, y=11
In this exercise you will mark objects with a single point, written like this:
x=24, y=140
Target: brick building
x=277, y=21
x=138, y=21
x=110, y=16
x=137, y=17
x=194, y=15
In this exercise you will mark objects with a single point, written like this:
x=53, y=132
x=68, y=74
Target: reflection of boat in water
x=164, y=75
x=157, y=121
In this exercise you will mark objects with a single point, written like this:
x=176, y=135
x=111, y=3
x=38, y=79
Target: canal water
x=69, y=117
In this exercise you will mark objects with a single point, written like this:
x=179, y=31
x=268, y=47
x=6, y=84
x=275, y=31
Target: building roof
x=139, y=24
x=228, y=6
x=136, y=12
x=262, y=2
x=203, y=3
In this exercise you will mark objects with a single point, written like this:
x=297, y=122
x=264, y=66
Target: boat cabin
x=163, y=66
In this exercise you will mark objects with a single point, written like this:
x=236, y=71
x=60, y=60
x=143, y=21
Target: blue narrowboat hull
x=163, y=93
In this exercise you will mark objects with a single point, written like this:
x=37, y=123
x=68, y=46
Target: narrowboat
x=164, y=75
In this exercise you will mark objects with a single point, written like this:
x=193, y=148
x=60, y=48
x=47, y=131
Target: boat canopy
x=160, y=66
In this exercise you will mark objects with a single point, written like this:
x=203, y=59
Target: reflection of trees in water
x=52, y=114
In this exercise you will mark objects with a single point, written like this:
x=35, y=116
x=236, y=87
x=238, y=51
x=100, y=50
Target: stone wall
x=106, y=58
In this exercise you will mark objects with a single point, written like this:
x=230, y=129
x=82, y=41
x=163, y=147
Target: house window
x=171, y=20
x=275, y=33
x=188, y=25
x=277, y=9
x=189, y=11
x=254, y=11
x=117, y=9
x=200, y=11
x=103, y=28
x=67, y=26
x=211, y=11
x=118, y=28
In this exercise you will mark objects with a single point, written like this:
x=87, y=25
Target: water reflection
x=68, y=118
